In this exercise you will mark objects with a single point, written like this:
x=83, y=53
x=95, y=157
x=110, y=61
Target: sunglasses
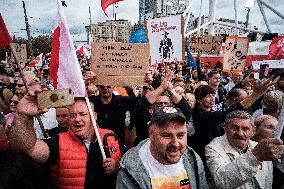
x=20, y=85
x=102, y=86
x=14, y=102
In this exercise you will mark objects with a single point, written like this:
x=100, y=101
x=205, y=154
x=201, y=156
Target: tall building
x=111, y=30
x=149, y=9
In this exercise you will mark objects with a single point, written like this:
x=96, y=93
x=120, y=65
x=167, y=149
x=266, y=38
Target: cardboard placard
x=166, y=39
x=120, y=64
x=21, y=50
x=206, y=44
x=235, y=53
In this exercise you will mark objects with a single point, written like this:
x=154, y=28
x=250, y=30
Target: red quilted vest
x=70, y=169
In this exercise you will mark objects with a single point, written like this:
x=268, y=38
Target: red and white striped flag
x=64, y=68
x=35, y=61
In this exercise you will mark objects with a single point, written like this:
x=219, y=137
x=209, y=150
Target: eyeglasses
x=14, y=102
x=20, y=85
x=102, y=86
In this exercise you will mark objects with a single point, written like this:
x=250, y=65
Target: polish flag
x=65, y=71
x=5, y=38
x=36, y=61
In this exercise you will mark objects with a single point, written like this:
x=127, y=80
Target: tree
x=40, y=44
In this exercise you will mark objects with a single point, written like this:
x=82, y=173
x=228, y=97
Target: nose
x=175, y=142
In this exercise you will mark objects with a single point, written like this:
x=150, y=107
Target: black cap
x=163, y=114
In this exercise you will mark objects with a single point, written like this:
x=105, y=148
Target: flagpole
x=26, y=86
x=95, y=127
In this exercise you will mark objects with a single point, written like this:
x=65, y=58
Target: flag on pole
x=190, y=59
x=106, y=3
x=65, y=71
x=5, y=38
x=276, y=48
x=36, y=61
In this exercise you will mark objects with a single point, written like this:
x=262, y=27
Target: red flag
x=106, y=3
x=35, y=61
x=276, y=48
x=5, y=38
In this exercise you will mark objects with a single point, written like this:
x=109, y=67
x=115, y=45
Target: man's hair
x=238, y=114
x=214, y=72
x=261, y=119
x=234, y=93
x=202, y=91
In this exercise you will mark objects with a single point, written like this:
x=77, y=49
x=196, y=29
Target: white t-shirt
x=172, y=176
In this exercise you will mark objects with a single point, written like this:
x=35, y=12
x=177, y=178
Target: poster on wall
x=165, y=36
x=235, y=54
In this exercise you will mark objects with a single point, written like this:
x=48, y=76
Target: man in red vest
x=74, y=157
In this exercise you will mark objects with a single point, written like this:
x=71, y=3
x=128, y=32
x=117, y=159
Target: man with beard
x=163, y=160
x=237, y=162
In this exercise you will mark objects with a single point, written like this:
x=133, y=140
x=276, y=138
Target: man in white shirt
x=237, y=162
x=164, y=160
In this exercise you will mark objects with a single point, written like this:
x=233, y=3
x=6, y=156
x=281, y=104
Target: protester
x=163, y=160
x=265, y=127
x=66, y=152
x=236, y=161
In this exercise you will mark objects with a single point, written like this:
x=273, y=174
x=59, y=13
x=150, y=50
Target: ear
x=151, y=130
x=253, y=130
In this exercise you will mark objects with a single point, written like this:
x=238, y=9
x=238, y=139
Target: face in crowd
x=190, y=98
x=265, y=127
x=14, y=101
x=63, y=116
x=237, y=77
x=239, y=132
x=105, y=91
x=80, y=121
x=162, y=101
x=214, y=81
x=168, y=142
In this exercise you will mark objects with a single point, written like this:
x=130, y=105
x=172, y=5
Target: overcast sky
x=42, y=14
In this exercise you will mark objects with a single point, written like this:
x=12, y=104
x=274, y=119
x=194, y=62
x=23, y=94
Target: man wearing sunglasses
x=111, y=110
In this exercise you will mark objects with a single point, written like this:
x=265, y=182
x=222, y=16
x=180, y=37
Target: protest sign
x=165, y=36
x=120, y=64
x=271, y=63
x=21, y=50
x=235, y=53
x=206, y=44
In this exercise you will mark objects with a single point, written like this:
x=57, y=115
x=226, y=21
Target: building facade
x=149, y=9
x=111, y=30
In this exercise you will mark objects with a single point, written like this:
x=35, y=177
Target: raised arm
x=22, y=135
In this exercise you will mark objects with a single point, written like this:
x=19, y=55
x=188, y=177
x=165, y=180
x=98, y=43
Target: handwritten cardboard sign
x=21, y=50
x=206, y=44
x=120, y=64
x=165, y=36
x=235, y=53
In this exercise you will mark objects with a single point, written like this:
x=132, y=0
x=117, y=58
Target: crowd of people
x=184, y=128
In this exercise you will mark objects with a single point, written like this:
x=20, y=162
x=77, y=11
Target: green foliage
x=40, y=44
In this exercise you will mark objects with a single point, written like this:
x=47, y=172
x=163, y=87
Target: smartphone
x=56, y=98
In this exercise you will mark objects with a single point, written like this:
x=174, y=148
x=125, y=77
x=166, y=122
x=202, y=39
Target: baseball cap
x=162, y=115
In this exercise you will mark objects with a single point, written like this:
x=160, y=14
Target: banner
x=271, y=63
x=206, y=44
x=120, y=64
x=21, y=50
x=165, y=36
x=235, y=53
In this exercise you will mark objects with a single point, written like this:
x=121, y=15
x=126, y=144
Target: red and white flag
x=65, y=71
x=276, y=48
x=36, y=61
x=106, y=3
x=5, y=38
